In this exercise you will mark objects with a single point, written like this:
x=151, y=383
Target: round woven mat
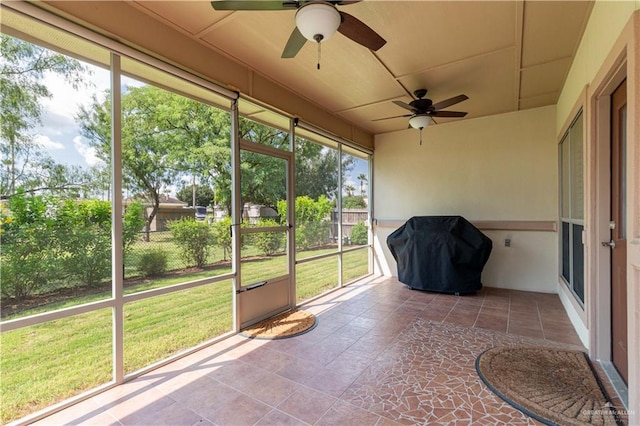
x=288, y=324
x=551, y=385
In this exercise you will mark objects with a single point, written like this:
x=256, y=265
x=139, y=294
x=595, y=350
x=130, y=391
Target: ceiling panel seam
x=457, y=61
x=519, y=36
x=541, y=64
x=203, y=32
x=388, y=70
x=539, y=95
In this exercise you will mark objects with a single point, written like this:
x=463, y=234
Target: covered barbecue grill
x=440, y=253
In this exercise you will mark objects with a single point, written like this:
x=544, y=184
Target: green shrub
x=28, y=263
x=29, y=249
x=194, y=239
x=48, y=242
x=268, y=242
x=359, y=234
x=354, y=202
x=313, y=220
x=85, y=238
x=133, y=223
x=222, y=236
x=153, y=262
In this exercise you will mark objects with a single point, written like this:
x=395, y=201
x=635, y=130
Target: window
x=572, y=208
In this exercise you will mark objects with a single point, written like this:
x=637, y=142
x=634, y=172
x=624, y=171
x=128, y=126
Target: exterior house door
x=618, y=244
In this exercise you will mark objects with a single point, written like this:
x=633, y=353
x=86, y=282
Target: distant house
x=170, y=208
x=254, y=212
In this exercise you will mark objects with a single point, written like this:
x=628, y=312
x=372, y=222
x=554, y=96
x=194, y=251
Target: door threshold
x=616, y=381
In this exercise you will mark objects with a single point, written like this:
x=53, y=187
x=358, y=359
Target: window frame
x=571, y=208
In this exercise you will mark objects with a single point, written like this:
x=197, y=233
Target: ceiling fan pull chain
x=319, y=54
x=420, y=136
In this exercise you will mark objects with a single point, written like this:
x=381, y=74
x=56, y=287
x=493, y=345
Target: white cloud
x=46, y=143
x=87, y=152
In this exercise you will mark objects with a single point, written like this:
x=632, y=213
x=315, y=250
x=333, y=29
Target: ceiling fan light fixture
x=419, y=121
x=317, y=21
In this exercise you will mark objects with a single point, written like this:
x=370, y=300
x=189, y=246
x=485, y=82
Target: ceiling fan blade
x=353, y=28
x=389, y=118
x=406, y=106
x=447, y=114
x=254, y=4
x=449, y=102
x=294, y=44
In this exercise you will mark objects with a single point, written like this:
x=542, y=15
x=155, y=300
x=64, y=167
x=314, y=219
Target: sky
x=60, y=135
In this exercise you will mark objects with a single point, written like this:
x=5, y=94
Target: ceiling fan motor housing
x=318, y=21
x=421, y=105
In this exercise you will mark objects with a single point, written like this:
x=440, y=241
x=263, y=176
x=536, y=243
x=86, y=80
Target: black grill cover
x=440, y=253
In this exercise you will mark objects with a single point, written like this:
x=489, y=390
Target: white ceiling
x=504, y=55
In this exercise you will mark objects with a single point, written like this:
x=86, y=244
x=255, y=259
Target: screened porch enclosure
x=120, y=294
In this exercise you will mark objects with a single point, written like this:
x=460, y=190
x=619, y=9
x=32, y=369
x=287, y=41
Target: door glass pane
x=263, y=186
x=264, y=256
x=263, y=182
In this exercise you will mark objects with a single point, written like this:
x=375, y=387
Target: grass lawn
x=44, y=364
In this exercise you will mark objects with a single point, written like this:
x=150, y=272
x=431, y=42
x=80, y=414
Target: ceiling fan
x=423, y=110
x=316, y=20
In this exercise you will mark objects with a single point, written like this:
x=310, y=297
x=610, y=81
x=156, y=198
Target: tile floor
x=381, y=354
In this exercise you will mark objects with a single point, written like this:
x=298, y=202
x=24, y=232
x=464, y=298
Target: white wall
x=502, y=167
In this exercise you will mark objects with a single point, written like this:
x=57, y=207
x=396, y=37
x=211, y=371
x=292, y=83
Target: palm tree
x=349, y=189
x=362, y=178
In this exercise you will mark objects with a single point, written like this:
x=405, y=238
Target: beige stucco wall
x=612, y=34
x=607, y=20
x=502, y=167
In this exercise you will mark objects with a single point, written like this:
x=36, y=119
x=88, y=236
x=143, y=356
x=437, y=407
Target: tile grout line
x=508, y=314
x=544, y=334
x=484, y=297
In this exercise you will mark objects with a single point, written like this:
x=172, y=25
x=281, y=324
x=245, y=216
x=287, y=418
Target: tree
x=263, y=179
x=204, y=195
x=316, y=169
x=349, y=189
x=61, y=180
x=147, y=147
x=362, y=178
x=22, y=69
